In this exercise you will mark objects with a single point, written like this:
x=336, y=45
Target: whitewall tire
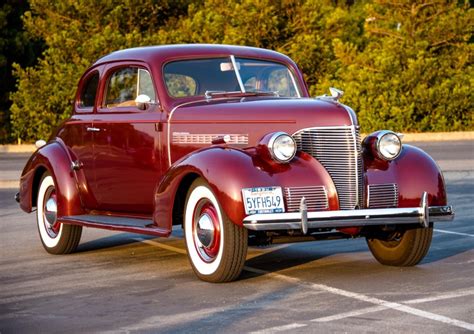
x=56, y=238
x=216, y=247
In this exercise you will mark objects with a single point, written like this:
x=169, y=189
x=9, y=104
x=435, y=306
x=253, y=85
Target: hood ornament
x=336, y=94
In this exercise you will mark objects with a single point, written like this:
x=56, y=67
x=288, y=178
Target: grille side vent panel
x=338, y=149
x=382, y=196
x=316, y=198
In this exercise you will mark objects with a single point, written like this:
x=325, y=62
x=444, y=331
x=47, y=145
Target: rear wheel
x=402, y=248
x=216, y=247
x=56, y=238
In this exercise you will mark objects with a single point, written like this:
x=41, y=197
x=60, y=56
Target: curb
x=10, y=184
x=438, y=136
x=10, y=148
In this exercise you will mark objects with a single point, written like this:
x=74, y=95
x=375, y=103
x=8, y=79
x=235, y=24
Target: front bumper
x=304, y=220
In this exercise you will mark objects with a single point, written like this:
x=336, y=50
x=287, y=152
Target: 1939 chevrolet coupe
x=226, y=142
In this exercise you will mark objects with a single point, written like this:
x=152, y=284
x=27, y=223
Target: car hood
x=194, y=125
x=296, y=112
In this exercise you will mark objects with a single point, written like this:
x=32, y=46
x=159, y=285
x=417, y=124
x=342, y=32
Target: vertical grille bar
x=338, y=149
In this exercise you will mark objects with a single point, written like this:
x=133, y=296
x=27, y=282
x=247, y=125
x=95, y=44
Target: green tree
x=75, y=37
x=415, y=73
x=14, y=47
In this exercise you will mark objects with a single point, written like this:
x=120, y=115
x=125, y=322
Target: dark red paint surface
x=131, y=167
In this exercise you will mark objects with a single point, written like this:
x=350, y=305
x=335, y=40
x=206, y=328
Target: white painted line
x=163, y=246
x=371, y=300
x=348, y=294
x=350, y=314
x=456, y=233
x=279, y=328
x=371, y=309
x=449, y=295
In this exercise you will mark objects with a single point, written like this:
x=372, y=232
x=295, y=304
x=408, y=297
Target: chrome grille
x=316, y=198
x=338, y=150
x=382, y=196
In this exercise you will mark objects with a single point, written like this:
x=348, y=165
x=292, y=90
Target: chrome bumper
x=305, y=220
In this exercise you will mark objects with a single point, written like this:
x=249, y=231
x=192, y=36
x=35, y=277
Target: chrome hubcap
x=50, y=213
x=205, y=230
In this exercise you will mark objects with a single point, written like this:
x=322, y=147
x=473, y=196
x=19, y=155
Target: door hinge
x=158, y=127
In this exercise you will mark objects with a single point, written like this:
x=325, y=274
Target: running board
x=116, y=223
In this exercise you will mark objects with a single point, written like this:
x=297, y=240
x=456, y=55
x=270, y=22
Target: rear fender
x=227, y=171
x=414, y=171
x=52, y=158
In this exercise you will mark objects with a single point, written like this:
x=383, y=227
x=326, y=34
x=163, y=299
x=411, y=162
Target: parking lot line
x=279, y=328
x=371, y=309
x=345, y=293
x=456, y=233
x=448, y=295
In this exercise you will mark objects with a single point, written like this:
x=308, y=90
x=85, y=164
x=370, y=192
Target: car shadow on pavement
x=300, y=254
x=110, y=242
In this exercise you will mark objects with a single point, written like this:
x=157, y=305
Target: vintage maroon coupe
x=226, y=142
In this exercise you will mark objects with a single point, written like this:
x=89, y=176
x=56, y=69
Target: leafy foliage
x=405, y=65
x=415, y=73
x=14, y=47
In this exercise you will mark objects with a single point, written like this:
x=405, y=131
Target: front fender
x=52, y=158
x=228, y=170
x=414, y=171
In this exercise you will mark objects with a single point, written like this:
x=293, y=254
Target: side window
x=89, y=91
x=126, y=84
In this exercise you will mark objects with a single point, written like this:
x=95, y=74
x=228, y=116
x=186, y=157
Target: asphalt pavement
x=127, y=283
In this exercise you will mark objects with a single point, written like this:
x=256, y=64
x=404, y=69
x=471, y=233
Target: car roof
x=164, y=53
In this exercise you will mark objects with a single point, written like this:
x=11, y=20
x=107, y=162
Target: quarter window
x=89, y=91
x=126, y=84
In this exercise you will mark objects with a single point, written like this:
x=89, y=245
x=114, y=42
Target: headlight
x=282, y=147
x=389, y=145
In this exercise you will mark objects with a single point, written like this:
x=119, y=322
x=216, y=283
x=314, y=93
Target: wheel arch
x=227, y=171
x=415, y=172
x=54, y=159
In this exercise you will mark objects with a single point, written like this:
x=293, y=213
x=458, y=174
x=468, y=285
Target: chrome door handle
x=91, y=129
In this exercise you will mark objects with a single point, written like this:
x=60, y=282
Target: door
x=78, y=136
x=127, y=142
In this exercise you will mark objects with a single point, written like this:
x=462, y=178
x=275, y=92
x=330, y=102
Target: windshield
x=199, y=77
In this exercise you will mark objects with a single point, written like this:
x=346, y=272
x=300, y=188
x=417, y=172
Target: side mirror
x=142, y=101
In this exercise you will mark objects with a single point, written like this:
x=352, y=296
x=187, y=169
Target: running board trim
x=115, y=223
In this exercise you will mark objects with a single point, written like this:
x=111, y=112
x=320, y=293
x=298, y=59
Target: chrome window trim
x=236, y=70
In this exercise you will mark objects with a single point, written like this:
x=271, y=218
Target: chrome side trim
x=169, y=125
x=208, y=138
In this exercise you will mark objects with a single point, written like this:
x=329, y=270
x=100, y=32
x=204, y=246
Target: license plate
x=263, y=200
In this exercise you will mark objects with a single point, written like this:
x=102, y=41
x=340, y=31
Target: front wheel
x=216, y=247
x=402, y=248
x=56, y=238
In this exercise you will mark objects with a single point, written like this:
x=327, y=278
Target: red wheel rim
x=206, y=230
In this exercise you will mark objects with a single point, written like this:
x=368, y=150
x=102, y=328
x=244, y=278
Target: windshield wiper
x=212, y=93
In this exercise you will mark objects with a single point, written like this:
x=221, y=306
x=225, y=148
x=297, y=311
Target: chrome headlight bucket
x=282, y=147
x=388, y=145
